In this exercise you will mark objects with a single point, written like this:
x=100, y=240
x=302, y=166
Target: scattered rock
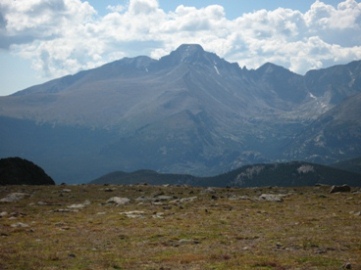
x=14, y=197
x=79, y=205
x=188, y=241
x=164, y=198
x=158, y=215
x=19, y=225
x=188, y=199
x=239, y=198
x=42, y=203
x=17, y=214
x=118, y=201
x=355, y=213
x=344, y=188
x=133, y=214
x=271, y=197
x=3, y=214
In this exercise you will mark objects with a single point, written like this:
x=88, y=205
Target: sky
x=45, y=39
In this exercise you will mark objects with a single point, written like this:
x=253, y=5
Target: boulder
x=271, y=197
x=79, y=205
x=344, y=188
x=133, y=214
x=118, y=201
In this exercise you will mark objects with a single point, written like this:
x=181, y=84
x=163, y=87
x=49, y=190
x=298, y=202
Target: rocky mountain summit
x=189, y=112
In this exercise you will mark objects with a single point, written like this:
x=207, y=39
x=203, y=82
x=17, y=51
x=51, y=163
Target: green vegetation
x=287, y=174
x=179, y=227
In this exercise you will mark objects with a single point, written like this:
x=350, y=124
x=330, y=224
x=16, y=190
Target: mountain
x=189, y=112
x=334, y=136
x=287, y=174
x=18, y=171
x=279, y=174
x=144, y=176
x=352, y=165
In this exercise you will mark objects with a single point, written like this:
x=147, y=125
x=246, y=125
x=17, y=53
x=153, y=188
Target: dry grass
x=310, y=229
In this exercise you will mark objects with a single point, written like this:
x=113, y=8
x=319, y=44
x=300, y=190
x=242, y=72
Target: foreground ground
x=78, y=227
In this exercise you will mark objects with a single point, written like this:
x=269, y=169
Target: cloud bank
x=65, y=36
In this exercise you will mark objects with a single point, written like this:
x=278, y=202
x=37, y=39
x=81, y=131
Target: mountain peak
x=189, y=49
x=187, y=53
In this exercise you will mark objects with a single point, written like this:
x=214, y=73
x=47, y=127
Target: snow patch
x=312, y=96
x=305, y=169
x=215, y=67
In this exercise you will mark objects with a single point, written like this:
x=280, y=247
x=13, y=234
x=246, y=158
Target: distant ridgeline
x=18, y=171
x=277, y=174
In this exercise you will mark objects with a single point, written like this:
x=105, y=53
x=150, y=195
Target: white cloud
x=65, y=36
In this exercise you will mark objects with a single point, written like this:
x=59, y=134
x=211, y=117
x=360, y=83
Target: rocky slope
x=188, y=112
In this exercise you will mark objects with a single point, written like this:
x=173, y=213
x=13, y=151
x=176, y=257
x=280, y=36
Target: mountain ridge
x=190, y=111
x=288, y=174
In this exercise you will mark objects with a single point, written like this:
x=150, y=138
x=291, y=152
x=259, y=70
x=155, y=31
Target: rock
x=17, y=214
x=3, y=214
x=118, y=201
x=14, y=197
x=239, y=198
x=19, y=225
x=79, y=205
x=158, y=215
x=163, y=198
x=188, y=199
x=347, y=266
x=133, y=214
x=271, y=197
x=42, y=203
x=344, y=188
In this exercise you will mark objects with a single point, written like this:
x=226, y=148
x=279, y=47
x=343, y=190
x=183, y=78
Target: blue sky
x=45, y=39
